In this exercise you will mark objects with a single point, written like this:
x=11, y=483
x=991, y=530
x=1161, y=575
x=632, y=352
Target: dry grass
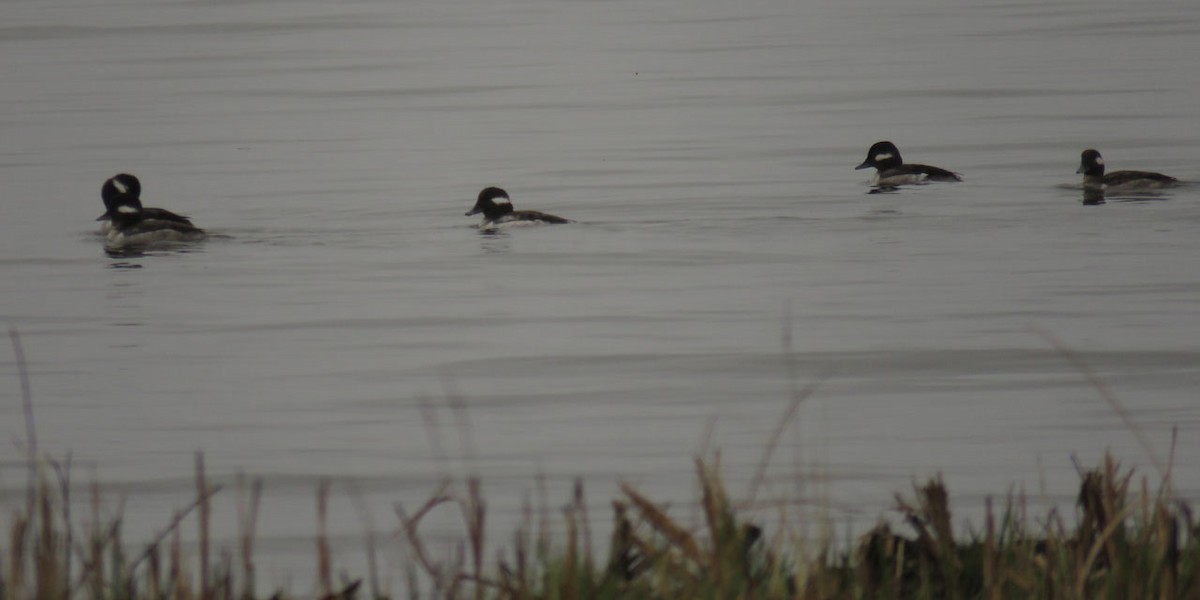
x=1127, y=541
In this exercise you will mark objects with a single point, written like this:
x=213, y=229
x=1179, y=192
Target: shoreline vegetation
x=1121, y=541
x=1127, y=541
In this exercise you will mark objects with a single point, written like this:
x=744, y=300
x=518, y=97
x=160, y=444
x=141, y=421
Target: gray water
x=346, y=321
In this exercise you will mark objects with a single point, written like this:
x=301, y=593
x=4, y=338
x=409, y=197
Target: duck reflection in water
x=1093, y=196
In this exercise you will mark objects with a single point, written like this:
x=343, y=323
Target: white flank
x=118, y=238
x=126, y=209
x=906, y=179
x=508, y=222
x=882, y=157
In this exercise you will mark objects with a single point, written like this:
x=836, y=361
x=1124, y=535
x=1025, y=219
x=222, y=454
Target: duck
x=126, y=184
x=1091, y=165
x=497, y=209
x=890, y=169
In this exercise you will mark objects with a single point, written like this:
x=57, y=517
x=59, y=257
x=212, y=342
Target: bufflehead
x=126, y=184
x=130, y=226
x=493, y=202
x=1092, y=167
x=891, y=170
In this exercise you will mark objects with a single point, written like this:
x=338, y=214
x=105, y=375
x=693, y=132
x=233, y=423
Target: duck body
x=891, y=170
x=124, y=184
x=497, y=209
x=130, y=227
x=1091, y=165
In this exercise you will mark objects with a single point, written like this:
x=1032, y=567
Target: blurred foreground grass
x=1125, y=542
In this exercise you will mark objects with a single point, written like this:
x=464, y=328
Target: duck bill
x=1080, y=169
x=865, y=165
x=105, y=216
x=473, y=211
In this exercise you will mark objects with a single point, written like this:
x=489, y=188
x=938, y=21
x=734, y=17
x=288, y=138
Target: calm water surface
x=346, y=321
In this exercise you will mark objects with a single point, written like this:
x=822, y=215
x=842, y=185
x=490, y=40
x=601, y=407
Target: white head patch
x=127, y=209
x=498, y=200
x=882, y=156
x=1099, y=161
x=120, y=186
